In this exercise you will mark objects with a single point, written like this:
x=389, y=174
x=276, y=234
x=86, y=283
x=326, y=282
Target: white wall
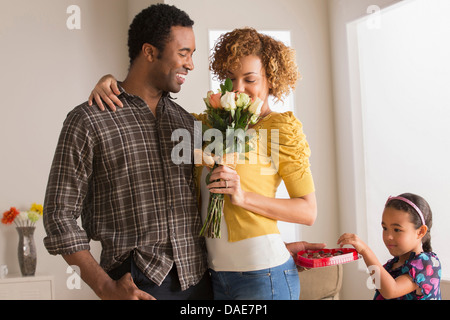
x=415, y=115
x=349, y=140
x=347, y=144
x=46, y=70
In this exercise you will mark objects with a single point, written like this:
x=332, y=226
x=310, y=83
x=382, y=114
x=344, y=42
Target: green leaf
x=204, y=128
x=229, y=85
x=238, y=115
x=218, y=122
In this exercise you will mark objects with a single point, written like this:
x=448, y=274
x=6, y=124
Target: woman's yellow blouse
x=280, y=152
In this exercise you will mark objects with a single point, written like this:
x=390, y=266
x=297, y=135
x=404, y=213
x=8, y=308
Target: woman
x=250, y=260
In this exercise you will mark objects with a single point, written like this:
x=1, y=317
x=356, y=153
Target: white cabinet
x=16, y=287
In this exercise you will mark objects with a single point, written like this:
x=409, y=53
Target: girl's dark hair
x=423, y=205
x=153, y=26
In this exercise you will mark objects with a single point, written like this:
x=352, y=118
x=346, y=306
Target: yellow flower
x=37, y=208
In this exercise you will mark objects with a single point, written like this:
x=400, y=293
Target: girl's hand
x=228, y=182
x=106, y=91
x=354, y=240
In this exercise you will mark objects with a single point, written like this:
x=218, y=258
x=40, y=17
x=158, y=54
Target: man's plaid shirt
x=114, y=169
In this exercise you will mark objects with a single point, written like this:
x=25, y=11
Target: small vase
x=27, y=251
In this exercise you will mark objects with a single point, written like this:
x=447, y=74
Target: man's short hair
x=153, y=26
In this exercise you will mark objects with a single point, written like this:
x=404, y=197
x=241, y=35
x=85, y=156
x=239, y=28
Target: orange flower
x=214, y=100
x=10, y=215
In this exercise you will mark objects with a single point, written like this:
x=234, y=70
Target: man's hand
x=101, y=283
x=123, y=289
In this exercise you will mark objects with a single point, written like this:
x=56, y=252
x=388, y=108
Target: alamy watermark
x=73, y=22
x=374, y=20
x=373, y=281
x=73, y=280
x=259, y=142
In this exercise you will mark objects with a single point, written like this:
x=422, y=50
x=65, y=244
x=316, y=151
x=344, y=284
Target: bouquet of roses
x=228, y=114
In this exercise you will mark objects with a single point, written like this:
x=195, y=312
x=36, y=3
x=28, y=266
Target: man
x=114, y=169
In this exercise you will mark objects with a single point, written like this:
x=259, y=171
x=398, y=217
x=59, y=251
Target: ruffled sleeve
x=293, y=152
x=425, y=270
x=200, y=117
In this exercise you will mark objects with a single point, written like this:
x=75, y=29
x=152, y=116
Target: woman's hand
x=295, y=247
x=106, y=91
x=354, y=240
x=295, y=210
x=228, y=182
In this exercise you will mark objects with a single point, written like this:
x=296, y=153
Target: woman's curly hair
x=278, y=60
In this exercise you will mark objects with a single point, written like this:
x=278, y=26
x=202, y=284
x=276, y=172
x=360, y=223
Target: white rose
x=23, y=216
x=254, y=119
x=255, y=106
x=228, y=101
x=242, y=100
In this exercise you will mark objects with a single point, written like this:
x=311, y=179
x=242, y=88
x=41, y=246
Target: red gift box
x=326, y=257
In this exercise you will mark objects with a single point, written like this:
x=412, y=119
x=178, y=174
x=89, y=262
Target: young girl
x=415, y=271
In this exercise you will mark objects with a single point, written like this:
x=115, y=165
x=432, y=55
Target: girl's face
x=399, y=234
x=251, y=79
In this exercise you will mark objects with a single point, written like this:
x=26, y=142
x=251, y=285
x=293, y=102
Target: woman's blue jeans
x=279, y=283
